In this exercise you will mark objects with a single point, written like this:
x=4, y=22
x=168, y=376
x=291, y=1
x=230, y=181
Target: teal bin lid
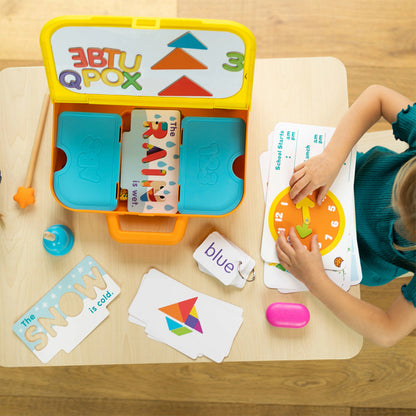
x=210, y=146
x=91, y=142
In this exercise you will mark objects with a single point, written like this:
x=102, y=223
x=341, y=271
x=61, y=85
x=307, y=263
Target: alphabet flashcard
x=69, y=312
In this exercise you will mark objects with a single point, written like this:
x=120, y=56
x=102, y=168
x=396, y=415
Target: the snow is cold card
x=69, y=312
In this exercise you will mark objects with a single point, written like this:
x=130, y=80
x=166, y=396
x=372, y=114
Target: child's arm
x=320, y=171
x=384, y=328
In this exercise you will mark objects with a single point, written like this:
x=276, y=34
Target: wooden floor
x=376, y=41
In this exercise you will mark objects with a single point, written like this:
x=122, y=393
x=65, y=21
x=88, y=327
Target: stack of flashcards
x=333, y=221
x=70, y=311
x=193, y=323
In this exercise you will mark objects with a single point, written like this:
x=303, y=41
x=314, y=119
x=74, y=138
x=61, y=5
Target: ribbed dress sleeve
x=409, y=291
x=404, y=128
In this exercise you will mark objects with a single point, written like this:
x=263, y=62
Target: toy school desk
x=310, y=90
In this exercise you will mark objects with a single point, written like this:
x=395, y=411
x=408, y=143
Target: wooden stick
x=36, y=144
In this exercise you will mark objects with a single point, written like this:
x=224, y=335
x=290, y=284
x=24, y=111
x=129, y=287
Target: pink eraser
x=287, y=315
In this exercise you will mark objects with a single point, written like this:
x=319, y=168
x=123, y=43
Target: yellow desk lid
x=149, y=61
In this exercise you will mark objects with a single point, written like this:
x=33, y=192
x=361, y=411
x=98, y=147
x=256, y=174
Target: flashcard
x=276, y=277
x=223, y=260
x=191, y=322
x=149, y=161
x=69, y=312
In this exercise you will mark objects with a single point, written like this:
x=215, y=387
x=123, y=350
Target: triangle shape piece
x=173, y=311
x=178, y=59
x=198, y=327
x=172, y=324
x=188, y=40
x=193, y=312
x=185, y=87
x=186, y=306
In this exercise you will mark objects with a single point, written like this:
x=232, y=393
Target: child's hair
x=404, y=203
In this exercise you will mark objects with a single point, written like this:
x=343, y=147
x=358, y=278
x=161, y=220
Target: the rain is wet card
x=150, y=160
x=69, y=312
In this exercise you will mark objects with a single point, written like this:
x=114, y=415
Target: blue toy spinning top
x=58, y=240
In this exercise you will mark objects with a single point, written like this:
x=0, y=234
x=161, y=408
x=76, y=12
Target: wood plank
x=22, y=20
x=358, y=33
x=16, y=406
x=399, y=79
x=376, y=377
x=382, y=412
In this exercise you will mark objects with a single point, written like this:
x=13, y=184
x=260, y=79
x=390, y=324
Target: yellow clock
x=308, y=218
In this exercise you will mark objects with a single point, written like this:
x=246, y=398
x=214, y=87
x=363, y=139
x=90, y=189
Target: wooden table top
x=301, y=90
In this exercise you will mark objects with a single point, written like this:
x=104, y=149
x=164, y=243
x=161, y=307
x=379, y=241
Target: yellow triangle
x=193, y=313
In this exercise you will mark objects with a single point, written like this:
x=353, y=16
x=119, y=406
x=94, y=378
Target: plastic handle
x=146, y=237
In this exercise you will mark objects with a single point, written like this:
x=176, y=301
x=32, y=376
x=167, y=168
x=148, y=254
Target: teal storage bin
x=211, y=147
x=91, y=143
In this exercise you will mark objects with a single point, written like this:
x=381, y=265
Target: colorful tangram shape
x=185, y=318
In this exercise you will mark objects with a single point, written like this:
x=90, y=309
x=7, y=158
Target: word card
x=191, y=322
x=149, y=161
x=333, y=221
x=69, y=312
x=222, y=259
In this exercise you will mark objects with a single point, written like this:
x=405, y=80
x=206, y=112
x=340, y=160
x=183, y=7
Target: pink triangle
x=198, y=327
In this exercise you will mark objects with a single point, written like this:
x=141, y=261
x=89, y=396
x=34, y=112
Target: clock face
x=308, y=218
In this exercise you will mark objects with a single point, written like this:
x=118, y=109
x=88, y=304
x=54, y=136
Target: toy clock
x=308, y=218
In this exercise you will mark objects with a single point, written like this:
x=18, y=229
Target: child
x=385, y=203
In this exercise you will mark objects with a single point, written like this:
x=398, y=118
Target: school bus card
x=69, y=312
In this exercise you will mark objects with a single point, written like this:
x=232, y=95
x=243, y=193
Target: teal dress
x=375, y=218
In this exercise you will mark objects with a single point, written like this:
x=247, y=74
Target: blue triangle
x=172, y=324
x=188, y=40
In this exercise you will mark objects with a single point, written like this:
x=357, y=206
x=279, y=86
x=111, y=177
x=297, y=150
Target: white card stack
x=193, y=323
x=289, y=145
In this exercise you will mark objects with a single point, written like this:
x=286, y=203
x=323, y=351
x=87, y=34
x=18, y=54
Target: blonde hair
x=404, y=203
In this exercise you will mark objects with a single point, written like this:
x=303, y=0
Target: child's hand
x=317, y=172
x=305, y=265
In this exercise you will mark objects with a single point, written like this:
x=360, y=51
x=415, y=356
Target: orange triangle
x=178, y=59
x=173, y=311
x=184, y=87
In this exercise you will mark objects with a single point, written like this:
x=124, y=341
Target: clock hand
x=304, y=205
x=303, y=231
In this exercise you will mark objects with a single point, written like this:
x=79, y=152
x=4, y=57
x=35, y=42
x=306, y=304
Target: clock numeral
x=332, y=208
x=278, y=216
x=328, y=237
x=334, y=224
